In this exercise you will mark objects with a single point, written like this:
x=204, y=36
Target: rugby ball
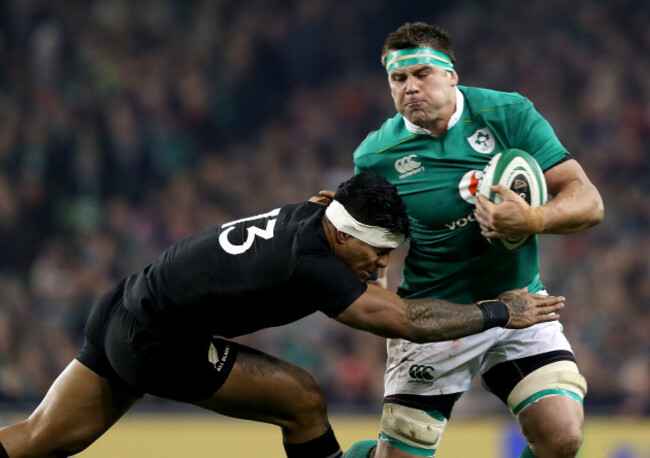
x=520, y=172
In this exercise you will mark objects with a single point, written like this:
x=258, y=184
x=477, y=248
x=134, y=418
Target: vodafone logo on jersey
x=469, y=184
x=408, y=165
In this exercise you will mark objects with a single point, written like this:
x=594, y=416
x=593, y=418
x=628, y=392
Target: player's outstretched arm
x=384, y=313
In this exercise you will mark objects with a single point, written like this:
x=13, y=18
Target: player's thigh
x=264, y=388
x=78, y=408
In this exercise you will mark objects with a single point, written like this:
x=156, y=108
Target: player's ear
x=342, y=237
x=454, y=78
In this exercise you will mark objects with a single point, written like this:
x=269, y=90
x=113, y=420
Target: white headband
x=375, y=236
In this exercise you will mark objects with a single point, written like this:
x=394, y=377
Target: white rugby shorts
x=448, y=367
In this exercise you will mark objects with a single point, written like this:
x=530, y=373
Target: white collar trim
x=460, y=106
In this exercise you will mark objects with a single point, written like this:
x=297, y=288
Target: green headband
x=415, y=56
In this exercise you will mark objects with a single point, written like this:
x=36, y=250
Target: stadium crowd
x=125, y=126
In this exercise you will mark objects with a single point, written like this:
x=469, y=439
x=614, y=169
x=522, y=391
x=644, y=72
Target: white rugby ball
x=520, y=172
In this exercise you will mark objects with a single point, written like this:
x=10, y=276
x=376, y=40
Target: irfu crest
x=482, y=141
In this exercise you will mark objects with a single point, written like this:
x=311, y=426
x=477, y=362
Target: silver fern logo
x=213, y=355
x=215, y=358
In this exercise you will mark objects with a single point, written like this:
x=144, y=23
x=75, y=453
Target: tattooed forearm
x=420, y=315
x=435, y=319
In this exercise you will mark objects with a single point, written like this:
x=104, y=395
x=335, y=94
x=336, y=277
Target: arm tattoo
x=436, y=319
x=420, y=315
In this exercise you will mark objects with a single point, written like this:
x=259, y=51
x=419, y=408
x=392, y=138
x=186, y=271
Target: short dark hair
x=372, y=199
x=416, y=34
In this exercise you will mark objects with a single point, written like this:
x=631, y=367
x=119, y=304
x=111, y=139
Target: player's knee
x=307, y=401
x=565, y=444
x=313, y=401
x=311, y=394
x=412, y=430
x=569, y=442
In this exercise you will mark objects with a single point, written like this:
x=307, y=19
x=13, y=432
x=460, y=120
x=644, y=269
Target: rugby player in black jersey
x=164, y=330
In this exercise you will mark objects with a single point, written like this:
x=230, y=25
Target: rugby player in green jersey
x=434, y=150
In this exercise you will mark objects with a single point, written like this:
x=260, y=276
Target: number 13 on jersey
x=252, y=231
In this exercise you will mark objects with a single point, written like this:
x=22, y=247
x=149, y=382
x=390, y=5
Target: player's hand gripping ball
x=518, y=171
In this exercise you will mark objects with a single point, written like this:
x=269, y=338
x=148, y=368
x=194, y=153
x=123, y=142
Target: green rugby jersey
x=437, y=178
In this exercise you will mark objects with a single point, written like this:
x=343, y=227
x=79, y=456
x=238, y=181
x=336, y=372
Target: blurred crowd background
x=126, y=125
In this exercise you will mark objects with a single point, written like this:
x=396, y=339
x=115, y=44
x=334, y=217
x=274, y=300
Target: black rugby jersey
x=267, y=270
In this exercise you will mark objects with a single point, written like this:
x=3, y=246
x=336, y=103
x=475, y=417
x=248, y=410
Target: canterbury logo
x=421, y=372
x=408, y=165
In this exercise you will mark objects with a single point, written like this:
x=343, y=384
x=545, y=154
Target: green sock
x=527, y=453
